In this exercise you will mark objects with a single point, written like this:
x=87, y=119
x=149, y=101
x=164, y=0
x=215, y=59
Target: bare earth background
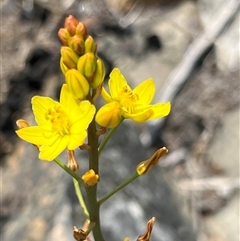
x=191, y=50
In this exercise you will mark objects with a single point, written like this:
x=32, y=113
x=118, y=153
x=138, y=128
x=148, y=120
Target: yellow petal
x=116, y=83
x=76, y=140
x=145, y=91
x=109, y=115
x=139, y=117
x=160, y=110
x=66, y=100
x=49, y=153
x=73, y=109
x=40, y=105
x=32, y=134
x=106, y=96
x=82, y=116
x=79, y=126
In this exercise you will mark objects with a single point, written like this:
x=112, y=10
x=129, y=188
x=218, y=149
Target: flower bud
x=99, y=74
x=87, y=65
x=147, y=235
x=145, y=166
x=79, y=234
x=76, y=43
x=63, y=67
x=81, y=30
x=63, y=36
x=90, y=45
x=109, y=115
x=77, y=84
x=71, y=24
x=70, y=58
x=72, y=163
x=90, y=177
x=22, y=124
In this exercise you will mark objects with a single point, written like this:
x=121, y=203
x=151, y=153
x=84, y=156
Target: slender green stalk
x=80, y=198
x=122, y=185
x=107, y=137
x=68, y=170
x=91, y=191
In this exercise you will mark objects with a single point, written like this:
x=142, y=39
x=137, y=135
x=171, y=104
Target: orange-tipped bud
x=87, y=65
x=99, y=74
x=109, y=115
x=22, y=124
x=72, y=163
x=147, y=235
x=63, y=67
x=90, y=45
x=77, y=84
x=71, y=24
x=69, y=57
x=90, y=177
x=81, y=30
x=63, y=36
x=145, y=166
x=76, y=43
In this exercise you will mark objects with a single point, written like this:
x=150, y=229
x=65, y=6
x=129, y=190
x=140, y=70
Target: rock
x=227, y=45
x=224, y=149
x=224, y=225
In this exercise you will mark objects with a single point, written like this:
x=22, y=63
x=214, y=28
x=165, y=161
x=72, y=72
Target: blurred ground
x=194, y=193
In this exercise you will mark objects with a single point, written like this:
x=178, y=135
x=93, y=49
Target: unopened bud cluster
x=79, y=63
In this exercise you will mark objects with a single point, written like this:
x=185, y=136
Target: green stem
x=125, y=183
x=107, y=137
x=90, y=228
x=80, y=198
x=68, y=170
x=91, y=191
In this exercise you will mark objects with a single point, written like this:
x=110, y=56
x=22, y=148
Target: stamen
x=58, y=119
x=127, y=99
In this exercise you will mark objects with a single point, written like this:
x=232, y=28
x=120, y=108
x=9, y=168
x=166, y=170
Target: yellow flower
x=60, y=125
x=134, y=104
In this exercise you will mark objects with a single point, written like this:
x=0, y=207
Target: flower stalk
x=93, y=206
x=118, y=188
x=107, y=137
x=68, y=170
x=80, y=198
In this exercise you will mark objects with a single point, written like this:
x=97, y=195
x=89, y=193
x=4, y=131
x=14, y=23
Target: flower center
x=127, y=99
x=58, y=119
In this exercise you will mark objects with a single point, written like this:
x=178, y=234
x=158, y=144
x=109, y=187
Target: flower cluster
x=79, y=63
x=63, y=124
x=67, y=123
